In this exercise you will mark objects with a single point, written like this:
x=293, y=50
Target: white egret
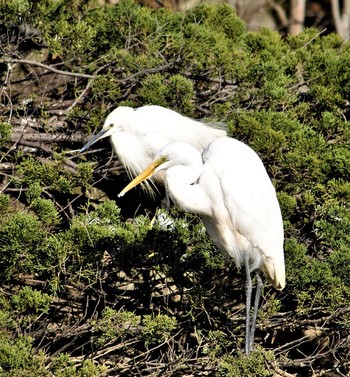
x=229, y=188
x=138, y=134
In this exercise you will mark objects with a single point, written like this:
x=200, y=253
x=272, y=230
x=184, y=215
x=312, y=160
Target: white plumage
x=138, y=134
x=229, y=188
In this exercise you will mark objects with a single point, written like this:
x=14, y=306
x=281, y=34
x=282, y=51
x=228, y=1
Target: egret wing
x=245, y=209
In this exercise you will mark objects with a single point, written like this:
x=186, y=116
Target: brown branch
x=36, y=145
x=48, y=67
x=84, y=92
x=6, y=166
x=281, y=13
x=314, y=37
x=67, y=166
x=47, y=138
x=311, y=359
x=116, y=347
x=144, y=72
x=290, y=345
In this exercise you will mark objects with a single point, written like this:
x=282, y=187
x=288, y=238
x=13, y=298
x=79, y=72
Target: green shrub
x=115, y=326
x=22, y=245
x=30, y=301
x=101, y=268
x=157, y=329
x=17, y=358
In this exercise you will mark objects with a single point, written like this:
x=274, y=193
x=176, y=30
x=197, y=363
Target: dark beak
x=93, y=140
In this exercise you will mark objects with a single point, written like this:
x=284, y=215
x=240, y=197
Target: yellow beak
x=147, y=173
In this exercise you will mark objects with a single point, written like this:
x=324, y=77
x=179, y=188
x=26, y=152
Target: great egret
x=228, y=187
x=138, y=134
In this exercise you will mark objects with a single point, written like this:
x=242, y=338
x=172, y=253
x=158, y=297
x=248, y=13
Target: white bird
x=138, y=134
x=229, y=188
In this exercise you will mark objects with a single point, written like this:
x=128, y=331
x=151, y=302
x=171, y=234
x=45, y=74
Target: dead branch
x=48, y=67
x=22, y=137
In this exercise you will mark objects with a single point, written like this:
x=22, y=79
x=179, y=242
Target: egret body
x=229, y=188
x=138, y=134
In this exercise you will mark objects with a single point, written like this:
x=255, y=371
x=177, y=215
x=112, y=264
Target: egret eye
x=161, y=160
x=111, y=125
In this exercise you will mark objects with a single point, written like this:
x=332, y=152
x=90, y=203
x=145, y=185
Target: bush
x=89, y=283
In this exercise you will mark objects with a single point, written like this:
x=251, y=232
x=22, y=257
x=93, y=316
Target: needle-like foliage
x=92, y=285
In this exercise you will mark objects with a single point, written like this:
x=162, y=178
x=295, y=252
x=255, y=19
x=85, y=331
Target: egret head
x=151, y=169
x=115, y=122
x=174, y=154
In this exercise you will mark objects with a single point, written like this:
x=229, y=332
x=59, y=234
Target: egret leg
x=259, y=285
x=248, y=292
x=167, y=201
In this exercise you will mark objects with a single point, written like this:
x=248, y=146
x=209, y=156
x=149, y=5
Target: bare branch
x=48, y=67
x=47, y=138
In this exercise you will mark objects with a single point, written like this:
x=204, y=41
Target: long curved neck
x=187, y=194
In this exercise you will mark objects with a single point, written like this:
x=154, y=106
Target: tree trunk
x=341, y=19
x=297, y=16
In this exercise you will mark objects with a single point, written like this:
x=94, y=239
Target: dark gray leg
x=259, y=285
x=167, y=201
x=248, y=292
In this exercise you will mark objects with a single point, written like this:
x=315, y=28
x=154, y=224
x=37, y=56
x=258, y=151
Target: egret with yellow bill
x=229, y=188
x=138, y=134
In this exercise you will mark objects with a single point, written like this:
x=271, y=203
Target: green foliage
x=242, y=366
x=17, y=358
x=157, y=329
x=180, y=93
x=88, y=368
x=177, y=92
x=105, y=89
x=154, y=90
x=101, y=228
x=115, y=325
x=22, y=245
x=218, y=344
x=34, y=191
x=50, y=176
x=288, y=204
x=46, y=211
x=7, y=320
x=29, y=301
x=5, y=130
x=12, y=10
x=313, y=281
x=333, y=226
x=339, y=262
x=285, y=97
x=4, y=203
x=63, y=367
x=271, y=308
